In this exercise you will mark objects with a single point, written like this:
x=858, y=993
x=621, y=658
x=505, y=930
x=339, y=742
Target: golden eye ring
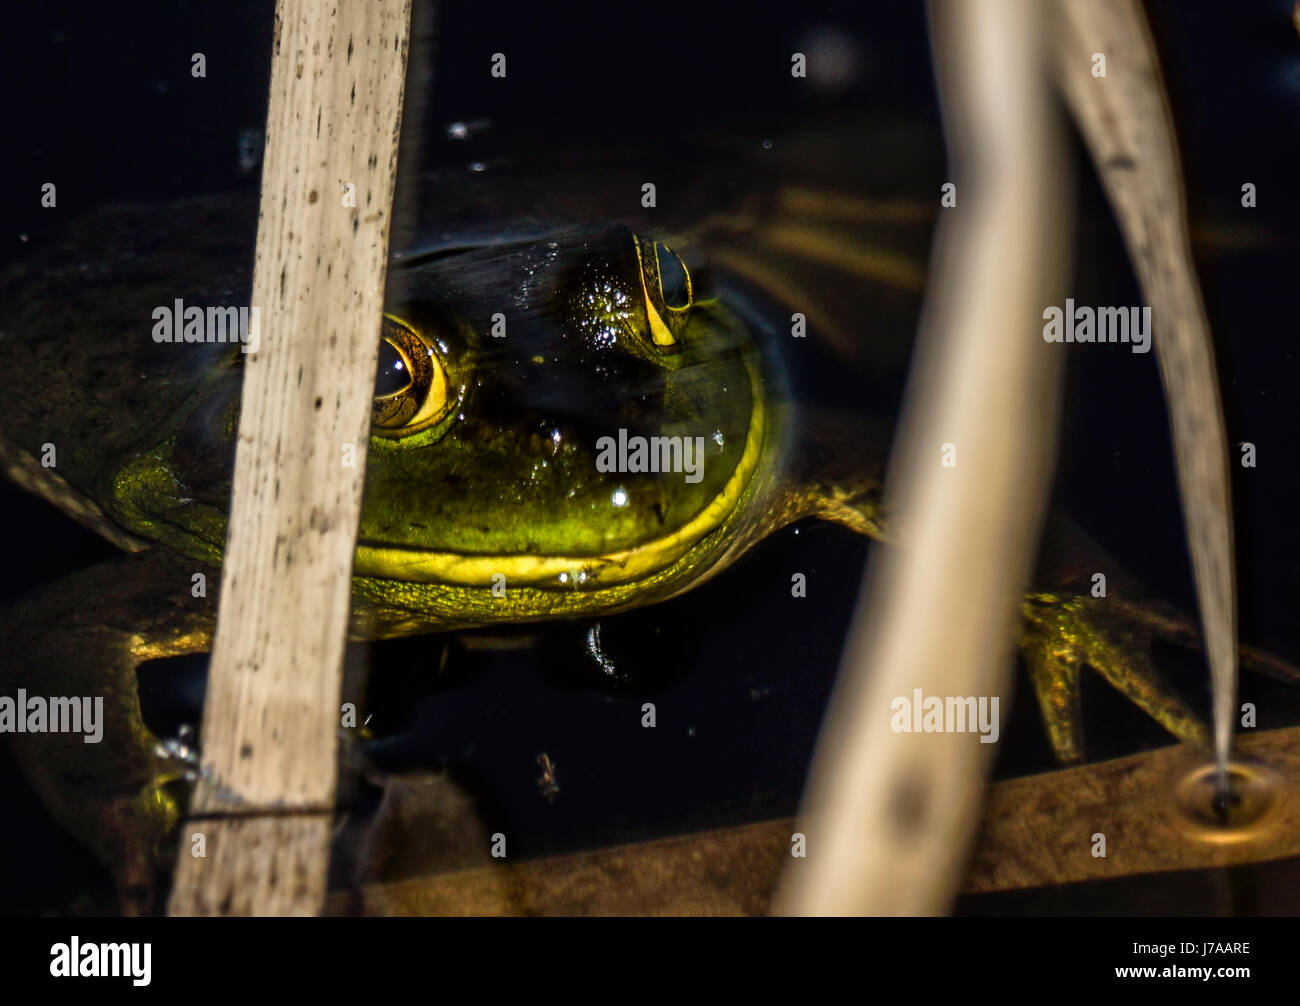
x=667, y=289
x=412, y=389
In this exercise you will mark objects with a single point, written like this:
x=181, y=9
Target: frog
x=572, y=418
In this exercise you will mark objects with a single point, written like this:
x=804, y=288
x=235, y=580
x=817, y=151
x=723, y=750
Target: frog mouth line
x=573, y=572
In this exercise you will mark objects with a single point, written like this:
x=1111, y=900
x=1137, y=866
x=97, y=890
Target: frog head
x=559, y=426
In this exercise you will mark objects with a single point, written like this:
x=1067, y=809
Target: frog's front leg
x=84, y=636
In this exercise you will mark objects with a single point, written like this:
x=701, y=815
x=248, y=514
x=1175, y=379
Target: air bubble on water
x=248, y=147
x=619, y=498
x=467, y=129
x=478, y=166
x=836, y=59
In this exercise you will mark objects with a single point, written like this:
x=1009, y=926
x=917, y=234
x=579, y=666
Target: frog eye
x=411, y=388
x=674, y=280
x=666, y=283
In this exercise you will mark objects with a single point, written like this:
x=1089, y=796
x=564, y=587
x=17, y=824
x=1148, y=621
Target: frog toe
x=1054, y=672
x=1177, y=628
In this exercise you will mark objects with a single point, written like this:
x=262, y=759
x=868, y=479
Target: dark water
x=738, y=669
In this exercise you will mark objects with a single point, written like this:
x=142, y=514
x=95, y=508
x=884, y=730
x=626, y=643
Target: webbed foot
x=1063, y=632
